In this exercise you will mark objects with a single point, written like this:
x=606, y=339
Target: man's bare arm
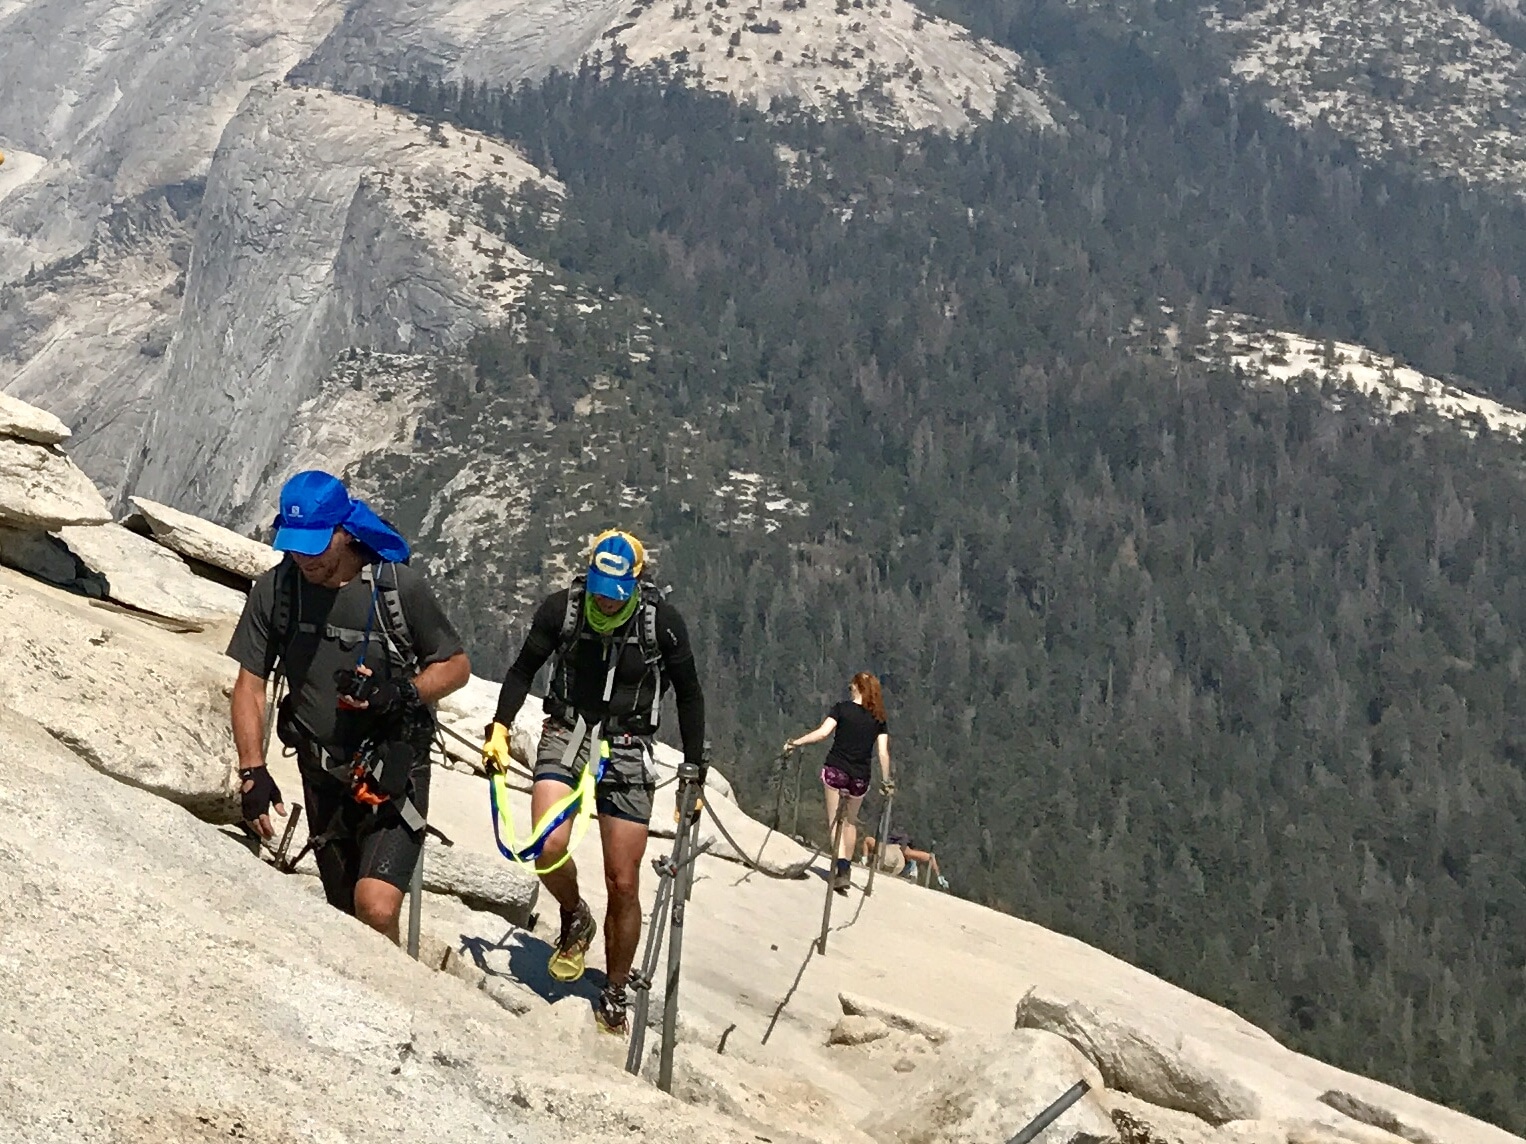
x=438, y=680
x=249, y=719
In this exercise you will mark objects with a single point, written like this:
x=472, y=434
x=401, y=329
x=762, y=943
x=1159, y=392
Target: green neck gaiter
x=603, y=624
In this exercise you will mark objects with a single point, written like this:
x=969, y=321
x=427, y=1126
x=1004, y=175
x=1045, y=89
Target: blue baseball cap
x=614, y=565
x=313, y=504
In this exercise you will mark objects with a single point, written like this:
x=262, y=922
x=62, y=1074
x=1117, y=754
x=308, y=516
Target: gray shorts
x=630, y=782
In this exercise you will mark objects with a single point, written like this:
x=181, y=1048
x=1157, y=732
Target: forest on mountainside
x=1217, y=676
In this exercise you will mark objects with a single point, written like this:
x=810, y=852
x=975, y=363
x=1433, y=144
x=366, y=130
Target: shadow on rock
x=527, y=957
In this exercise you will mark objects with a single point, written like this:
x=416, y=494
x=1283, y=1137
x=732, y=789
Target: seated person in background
x=901, y=857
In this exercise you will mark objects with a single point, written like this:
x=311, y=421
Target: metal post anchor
x=1044, y=1119
x=879, y=844
x=688, y=796
x=826, y=911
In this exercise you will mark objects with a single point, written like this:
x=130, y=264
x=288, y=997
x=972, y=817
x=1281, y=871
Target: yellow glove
x=495, y=752
x=699, y=805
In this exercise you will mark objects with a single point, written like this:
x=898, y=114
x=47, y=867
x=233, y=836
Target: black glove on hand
x=259, y=793
x=393, y=695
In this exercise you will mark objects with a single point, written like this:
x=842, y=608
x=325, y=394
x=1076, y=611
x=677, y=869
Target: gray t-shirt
x=325, y=629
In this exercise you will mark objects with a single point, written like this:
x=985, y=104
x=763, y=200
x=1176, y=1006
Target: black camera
x=355, y=684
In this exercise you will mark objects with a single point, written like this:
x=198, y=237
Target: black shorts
x=364, y=841
x=630, y=782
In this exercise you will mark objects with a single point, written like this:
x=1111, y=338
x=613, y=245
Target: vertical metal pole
x=655, y=930
x=693, y=847
x=1044, y=1119
x=794, y=829
x=688, y=791
x=879, y=844
x=826, y=910
x=415, y=901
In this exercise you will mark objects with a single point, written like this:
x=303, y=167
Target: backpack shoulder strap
x=651, y=649
x=572, y=618
x=394, y=622
x=284, y=617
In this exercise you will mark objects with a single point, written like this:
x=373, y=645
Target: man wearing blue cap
x=618, y=647
x=366, y=652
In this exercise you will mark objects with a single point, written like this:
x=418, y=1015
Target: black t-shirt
x=632, y=688
x=326, y=625
x=853, y=743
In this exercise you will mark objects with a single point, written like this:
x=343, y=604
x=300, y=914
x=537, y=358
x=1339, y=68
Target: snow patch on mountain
x=1269, y=355
x=1415, y=80
x=887, y=59
x=896, y=64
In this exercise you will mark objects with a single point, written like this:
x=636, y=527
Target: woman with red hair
x=860, y=734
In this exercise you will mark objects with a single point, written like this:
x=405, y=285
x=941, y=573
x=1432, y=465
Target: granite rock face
x=304, y=250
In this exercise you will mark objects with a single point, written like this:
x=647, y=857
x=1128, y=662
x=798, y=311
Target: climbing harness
x=377, y=771
x=579, y=801
x=676, y=874
x=577, y=804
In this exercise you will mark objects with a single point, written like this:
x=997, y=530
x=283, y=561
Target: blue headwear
x=313, y=504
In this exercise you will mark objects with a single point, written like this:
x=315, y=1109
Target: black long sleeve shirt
x=590, y=667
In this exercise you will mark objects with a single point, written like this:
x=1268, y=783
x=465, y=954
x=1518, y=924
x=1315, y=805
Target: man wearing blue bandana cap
x=366, y=652
x=618, y=646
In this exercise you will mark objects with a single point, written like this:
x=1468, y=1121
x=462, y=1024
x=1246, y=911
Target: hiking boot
x=842, y=877
x=578, y=929
x=609, y=1010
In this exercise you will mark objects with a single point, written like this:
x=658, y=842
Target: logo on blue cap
x=614, y=565
x=313, y=504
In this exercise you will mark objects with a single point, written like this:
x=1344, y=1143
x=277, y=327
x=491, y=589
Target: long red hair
x=868, y=687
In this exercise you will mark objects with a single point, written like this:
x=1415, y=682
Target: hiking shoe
x=578, y=928
x=609, y=1010
x=842, y=877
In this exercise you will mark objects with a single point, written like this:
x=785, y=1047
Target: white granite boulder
x=986, y=1089
x=202, y=540
x=42, y=489
x=1182, y=1075
x=146, y=711
x=149, y=577
x=18, y=419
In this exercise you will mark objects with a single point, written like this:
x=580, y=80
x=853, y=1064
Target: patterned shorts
x=841, y=780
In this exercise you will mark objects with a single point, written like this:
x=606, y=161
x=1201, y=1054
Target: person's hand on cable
x=678, y=804
x=887, y=787
x=495, y=749
x=258, y=793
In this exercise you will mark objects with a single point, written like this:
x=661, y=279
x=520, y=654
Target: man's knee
x=378, y=904
x=553, y=855
x=622, y=884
